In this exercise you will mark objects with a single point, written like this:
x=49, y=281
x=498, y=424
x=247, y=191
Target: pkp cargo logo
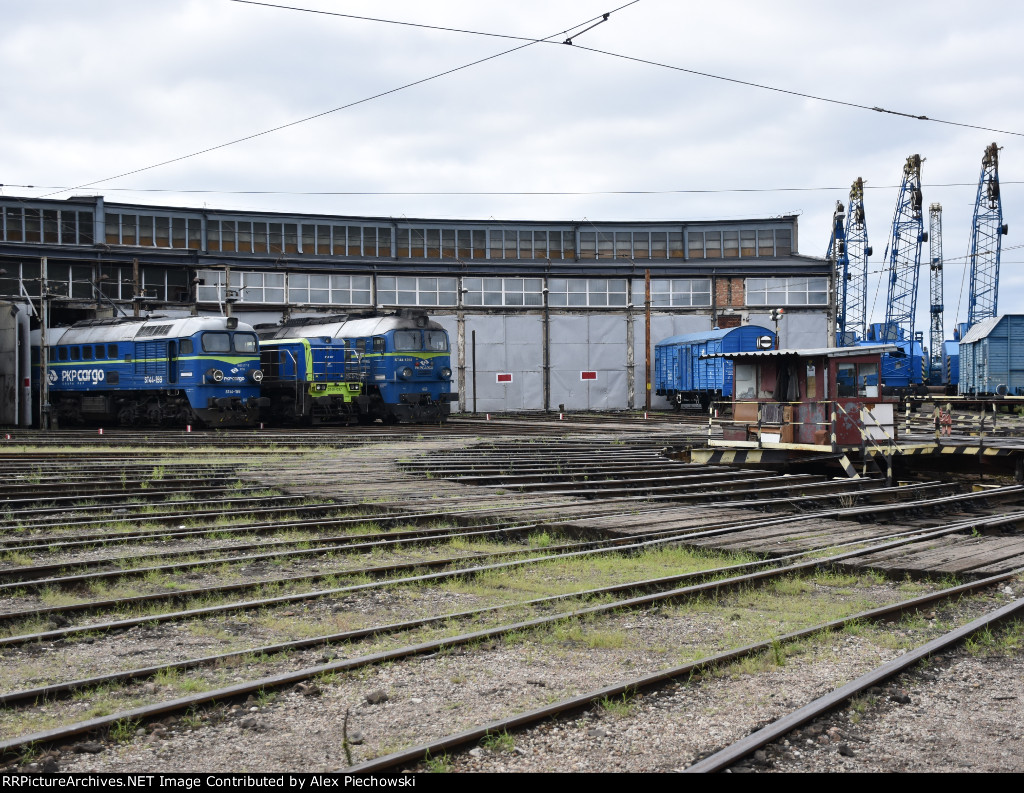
x=51, y=377
x=69, y=376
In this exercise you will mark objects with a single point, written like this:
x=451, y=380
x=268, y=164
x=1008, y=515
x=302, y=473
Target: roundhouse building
x=551, y=312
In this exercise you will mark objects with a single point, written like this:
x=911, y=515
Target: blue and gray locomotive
x=155, y=372
x=358, y=367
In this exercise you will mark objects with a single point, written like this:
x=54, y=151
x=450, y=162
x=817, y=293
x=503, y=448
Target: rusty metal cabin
x=827, y=397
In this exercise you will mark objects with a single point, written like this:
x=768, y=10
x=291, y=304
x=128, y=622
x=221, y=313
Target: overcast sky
x=96, y=88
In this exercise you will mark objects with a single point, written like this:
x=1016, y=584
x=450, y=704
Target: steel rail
x=732, y=754
x=341, y=543
x=923, y=534
x=633, y=586
x=433, y=748
x=288, y=678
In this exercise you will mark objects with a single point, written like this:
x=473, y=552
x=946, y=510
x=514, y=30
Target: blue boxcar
x=992, y=357
x=681, y=376
x=359, y=367
x=155, y=371
x=904, y=372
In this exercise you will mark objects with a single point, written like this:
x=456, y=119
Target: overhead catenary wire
x=648, y=62
x=364, y=100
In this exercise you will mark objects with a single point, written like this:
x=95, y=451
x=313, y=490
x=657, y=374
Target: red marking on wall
x=588, y=375
x=504, y=377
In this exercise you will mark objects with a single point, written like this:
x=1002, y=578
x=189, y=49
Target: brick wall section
x=729, y=292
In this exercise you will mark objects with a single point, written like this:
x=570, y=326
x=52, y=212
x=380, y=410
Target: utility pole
x=44, y=350
x=647, y=336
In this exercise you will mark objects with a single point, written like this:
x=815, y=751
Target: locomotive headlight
x=256, y=375
x=405, y=372
x=216, y=375
x=446, y=373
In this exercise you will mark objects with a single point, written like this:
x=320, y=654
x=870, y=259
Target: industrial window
x=503, y=291
x=730, y=244
x=76, y=354
x=414, y=291
x=33, y=227
x=588, y=244
x=433, y=243
x=675, y=244
x=416, y=244
x=14, y=230
x=791, y=291
x=329, y=289
x=659, y=245
x=586, y=292
x=680, y=292
x=87, y=352
x=765, y=242
x=211, y=285
x=623, y=245
x=641, y=245
x=101, y=352
x=262, y=287
x=112, y=351
x=62, y=353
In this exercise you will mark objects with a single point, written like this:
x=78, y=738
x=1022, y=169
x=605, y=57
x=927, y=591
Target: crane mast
x=935, y=339
x=905, y=256
x=840, y=266
x=857, y=253
x=986, y=241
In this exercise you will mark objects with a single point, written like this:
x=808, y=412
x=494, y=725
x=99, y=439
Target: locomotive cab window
x=437, y=340
x=408, y=340
x=216, y=342
x=378, y=344
x=246, y=342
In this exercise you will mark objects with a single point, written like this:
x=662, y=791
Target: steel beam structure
x=986, y=241
x=905, y=255
x=936, y=337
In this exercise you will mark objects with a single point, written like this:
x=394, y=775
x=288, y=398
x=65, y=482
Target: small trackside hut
x=791, y=405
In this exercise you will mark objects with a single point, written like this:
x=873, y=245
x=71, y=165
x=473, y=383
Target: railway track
x=536, y=537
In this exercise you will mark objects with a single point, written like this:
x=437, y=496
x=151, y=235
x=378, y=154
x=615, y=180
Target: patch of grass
x=498, y=742
x=438, y=765
x=620, y=706
x=123, y=730
x=1005, y=640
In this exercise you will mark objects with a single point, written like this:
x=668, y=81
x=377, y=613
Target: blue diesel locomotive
x=155, y=371
x=682, y=375
x=358, y=367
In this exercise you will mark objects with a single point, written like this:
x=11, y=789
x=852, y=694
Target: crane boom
x=840, y=266
x=905, y=255
x=935, y=339
x=857, y=252
x=986, y=241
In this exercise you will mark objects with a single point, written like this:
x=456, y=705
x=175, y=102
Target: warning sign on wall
x=588, y=375
x=504, y=377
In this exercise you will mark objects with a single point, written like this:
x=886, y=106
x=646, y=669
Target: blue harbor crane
x=905, y=372
x=935, y=338
x=848, y=249
x=986, y=241
x=841, y=267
